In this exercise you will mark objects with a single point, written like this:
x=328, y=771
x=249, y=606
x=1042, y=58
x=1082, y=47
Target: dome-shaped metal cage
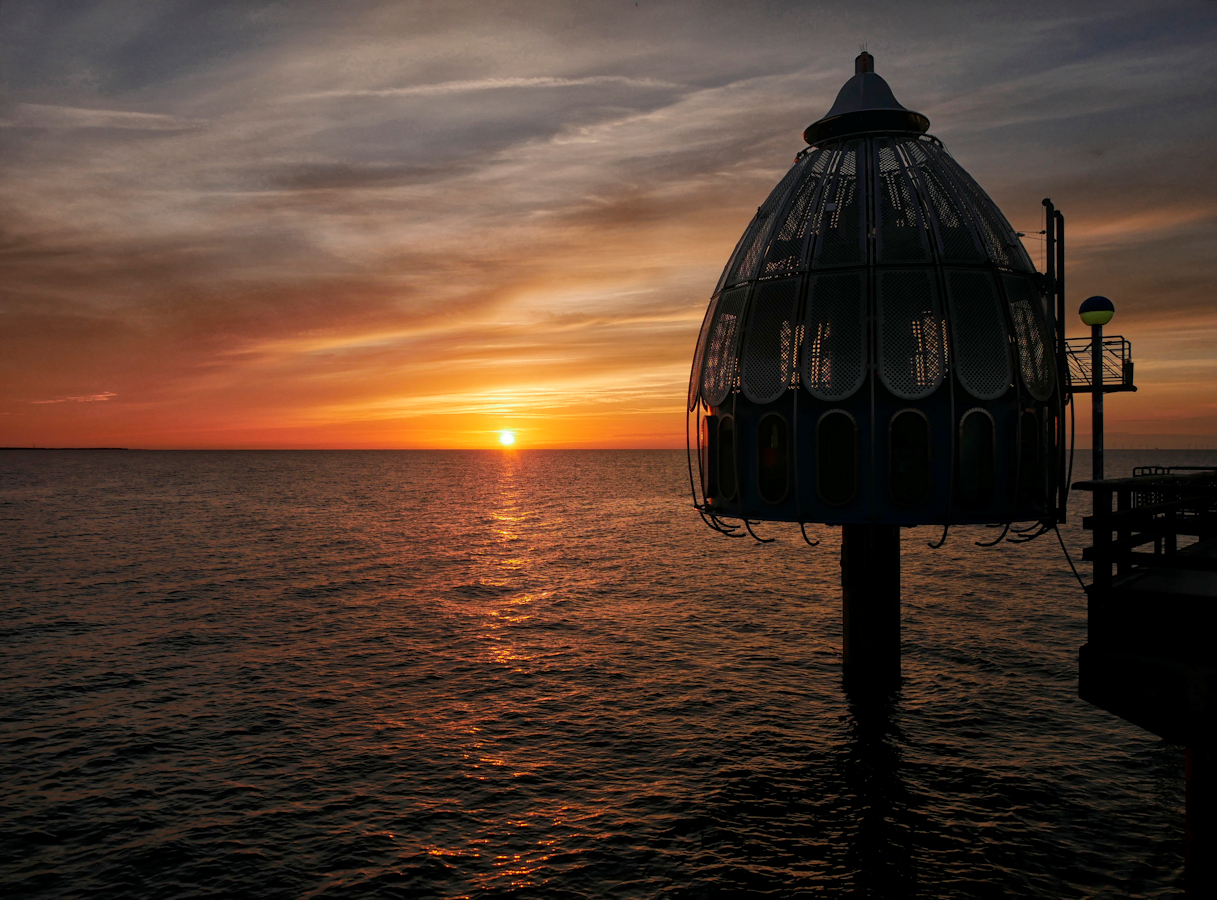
x=877, y=348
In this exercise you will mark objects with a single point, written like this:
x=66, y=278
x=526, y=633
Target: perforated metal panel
x=730, y=266
x=951, y=221
x=753, y=249
x=699, y=355
x=834, y=339
x=986, y=227
x=718, y=374
x=911, y=351
x=926, y=208
x=747, y=244
x=768, y=358
x=843, y=216
x=900, y=232
x=1031, y=334
x=1003, y=245
x=978, y=334
x=785, y=254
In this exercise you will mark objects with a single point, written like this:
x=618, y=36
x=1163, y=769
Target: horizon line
x=512, y=449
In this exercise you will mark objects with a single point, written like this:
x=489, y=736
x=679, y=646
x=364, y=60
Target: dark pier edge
x=1201, y=852
x=1151, y=622
x=870, y=594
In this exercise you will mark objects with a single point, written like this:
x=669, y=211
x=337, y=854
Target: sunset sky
x=417, y=225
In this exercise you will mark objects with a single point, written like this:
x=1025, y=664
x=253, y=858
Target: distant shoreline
x=66, y=448
x=1080, y=449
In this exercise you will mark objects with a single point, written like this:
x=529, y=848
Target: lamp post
x=1096, y=312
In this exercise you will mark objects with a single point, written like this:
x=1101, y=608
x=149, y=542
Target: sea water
x=532, y=674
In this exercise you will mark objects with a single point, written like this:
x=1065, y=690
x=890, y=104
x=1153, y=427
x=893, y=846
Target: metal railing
x=1155, y=507
x=1117, y=365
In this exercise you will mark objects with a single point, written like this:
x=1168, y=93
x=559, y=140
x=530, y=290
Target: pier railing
x=1116, y=361
x=1151, y=511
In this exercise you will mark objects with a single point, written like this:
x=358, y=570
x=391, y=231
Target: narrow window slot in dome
x=977, y=448
x=726, y=457
x=772, y=458
x=908, y=457
x=708, y=460
x=836, y=457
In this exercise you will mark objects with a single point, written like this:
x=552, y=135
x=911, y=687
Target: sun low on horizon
x=507, y=438
x=254, y=228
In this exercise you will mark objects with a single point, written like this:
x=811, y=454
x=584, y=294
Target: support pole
x=870, y=591
x=1061, y=362
x=1054, y=266
x=1096, y=401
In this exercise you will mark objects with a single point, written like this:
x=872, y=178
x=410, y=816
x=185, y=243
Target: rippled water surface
x=530, y=674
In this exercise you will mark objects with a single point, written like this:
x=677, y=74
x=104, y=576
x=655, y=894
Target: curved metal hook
x=709, y=524
x=1044, y=529
x=810, y=543
x=715, y=524
x=728, y=530
x=759, y=540
x=1004, y=531
x=1030, y=528
x=945, y=529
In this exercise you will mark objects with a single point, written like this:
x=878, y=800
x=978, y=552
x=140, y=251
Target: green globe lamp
x=1096, y=312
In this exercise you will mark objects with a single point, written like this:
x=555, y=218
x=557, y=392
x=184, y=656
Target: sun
x=507, y=438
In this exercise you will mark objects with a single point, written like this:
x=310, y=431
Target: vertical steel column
x=1096, y=402
x=1054, y=276
x=1061, y=362
x=870, y=593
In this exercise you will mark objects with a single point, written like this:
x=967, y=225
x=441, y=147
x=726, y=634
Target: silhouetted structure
x=879, y=352
x=1151, y=623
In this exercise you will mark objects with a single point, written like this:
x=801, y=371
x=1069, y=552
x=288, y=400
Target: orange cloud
x=413, y=228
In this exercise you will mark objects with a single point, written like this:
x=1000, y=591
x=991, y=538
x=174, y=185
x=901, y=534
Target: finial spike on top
x=864, y=62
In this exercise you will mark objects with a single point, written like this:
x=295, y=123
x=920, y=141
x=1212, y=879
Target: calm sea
x=531, y=674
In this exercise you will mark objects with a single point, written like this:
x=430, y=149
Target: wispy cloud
x=489, y=84
x=88, y=398
x=38, y=115
x=409, y=213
